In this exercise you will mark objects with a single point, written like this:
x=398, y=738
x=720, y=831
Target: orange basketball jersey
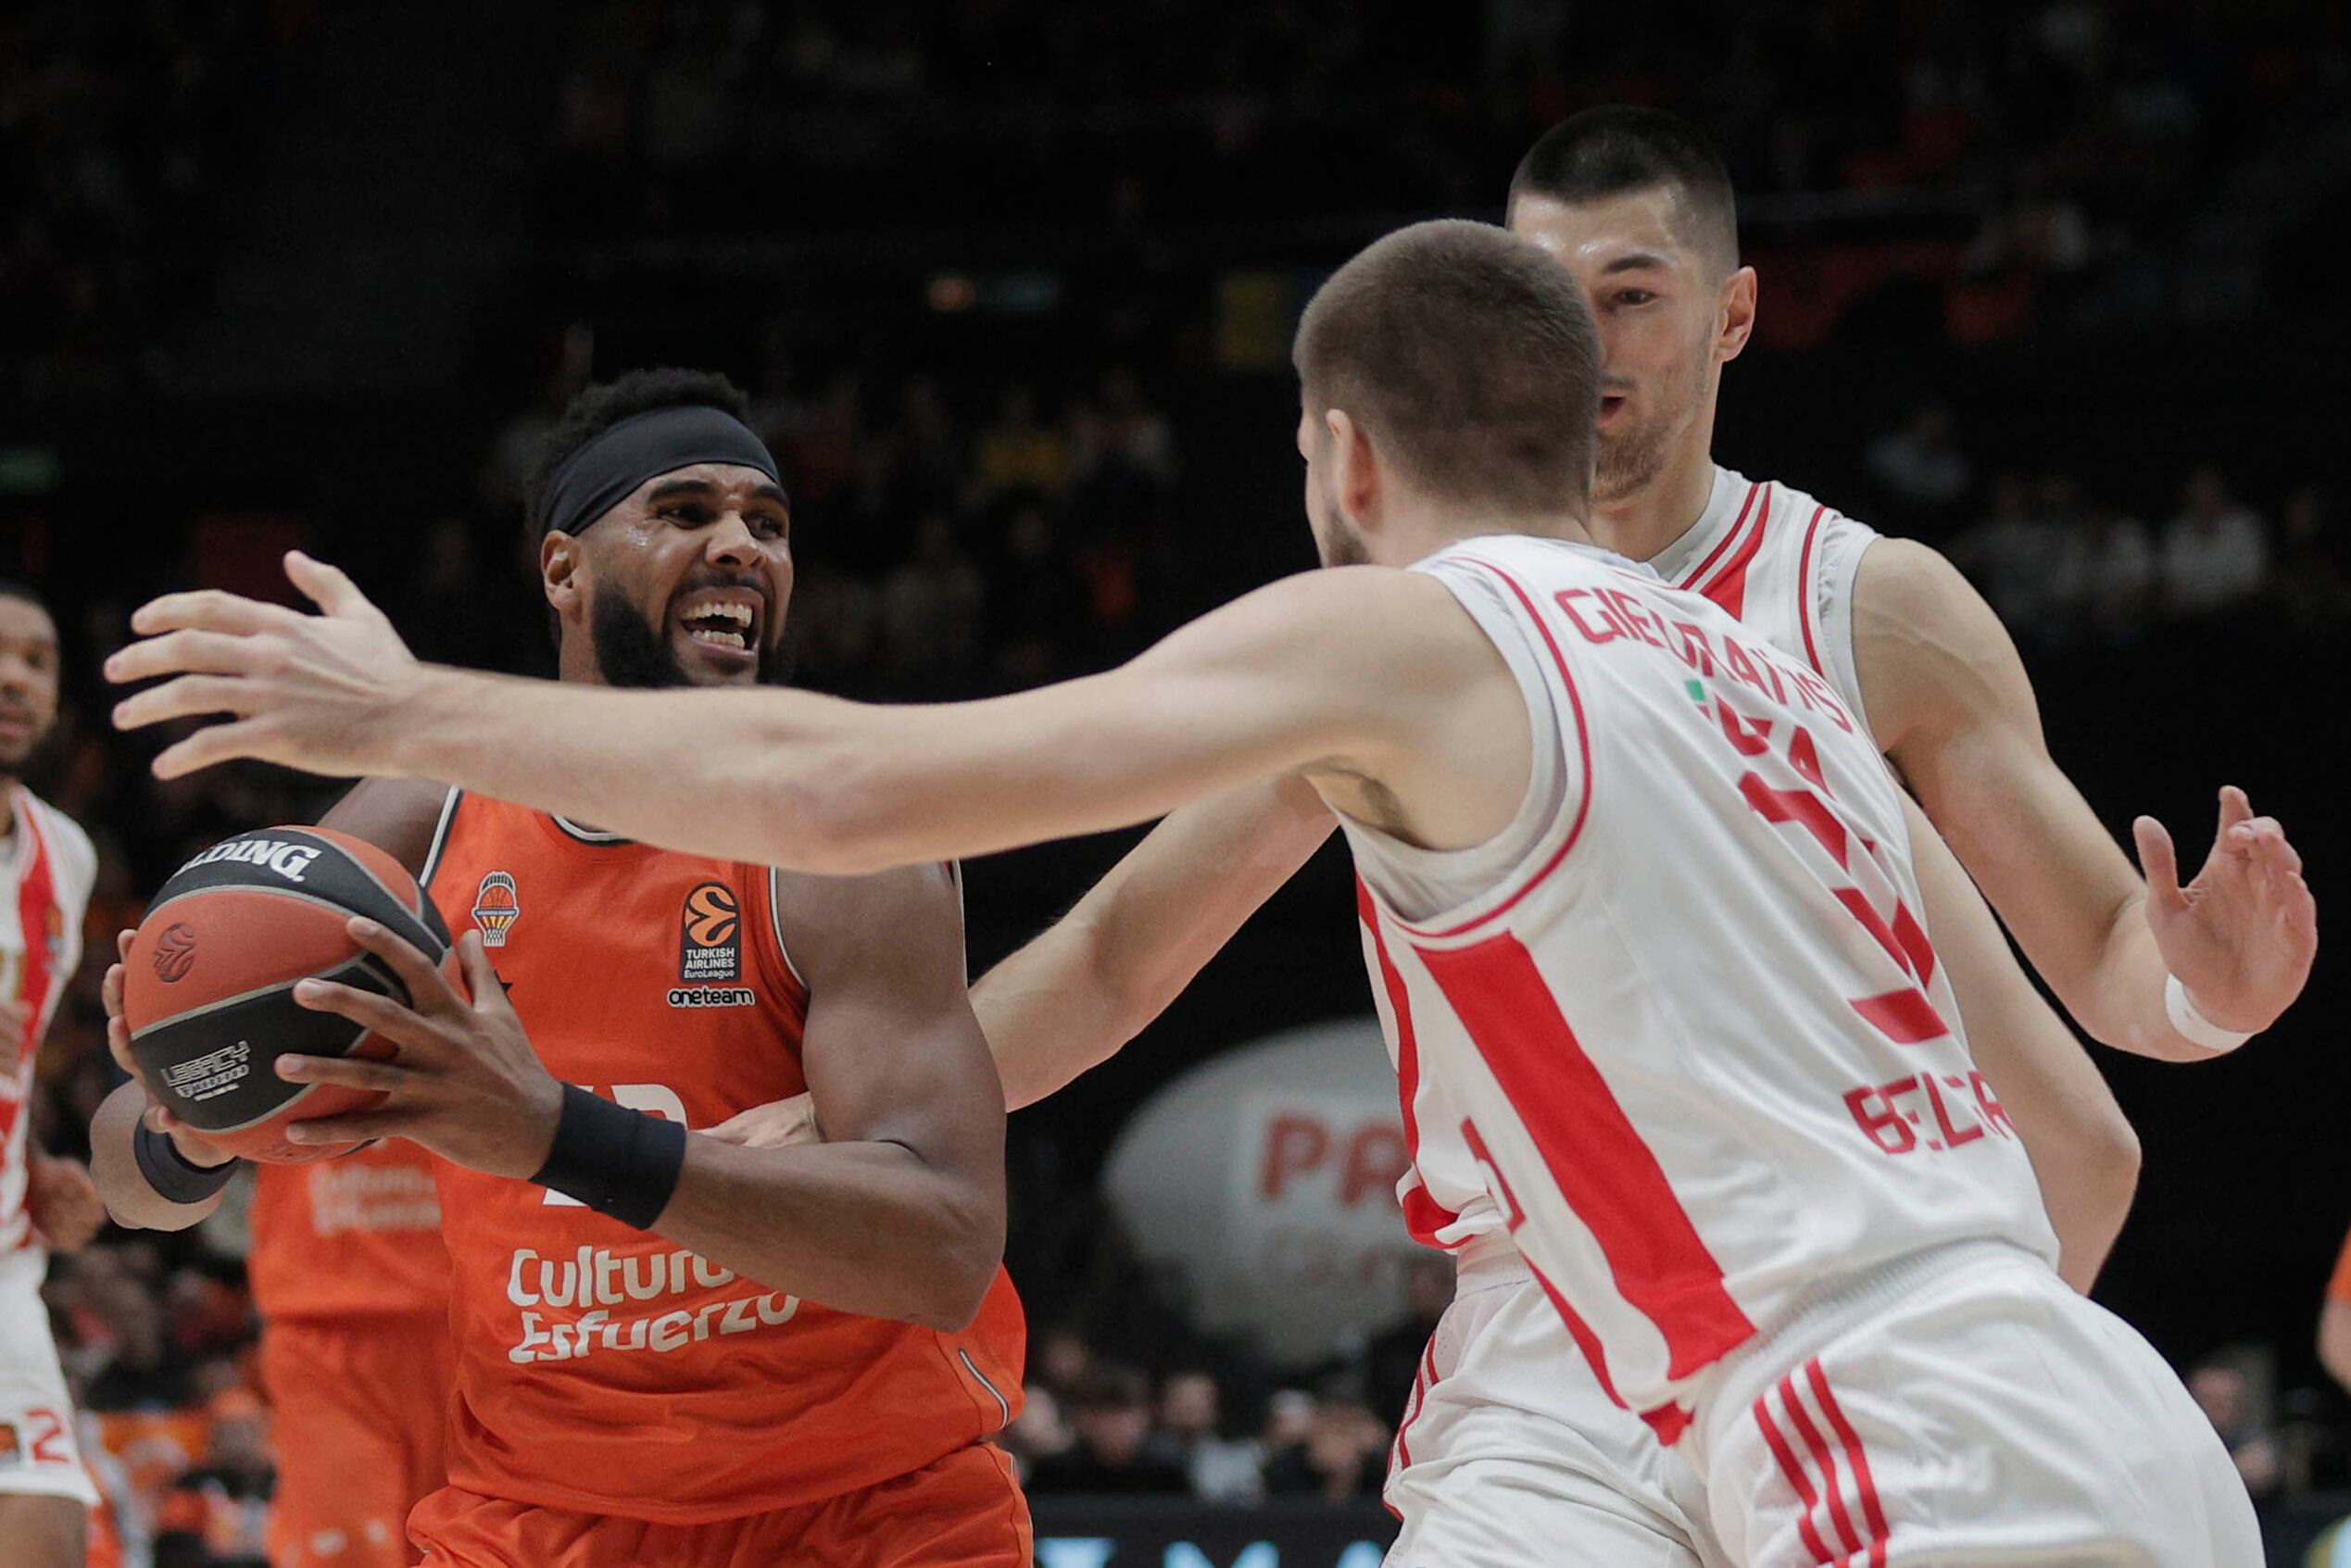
x=349, y=1237
x=600, y=1368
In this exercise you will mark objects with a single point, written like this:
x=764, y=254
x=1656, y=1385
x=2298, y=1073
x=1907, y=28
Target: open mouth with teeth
x=724, y=621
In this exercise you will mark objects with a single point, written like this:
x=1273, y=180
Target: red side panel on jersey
x=1596, y=1158
x=1424, y=1216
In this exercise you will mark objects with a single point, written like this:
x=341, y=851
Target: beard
x=1342, y=546
x=1628, y=462
x=631, y=652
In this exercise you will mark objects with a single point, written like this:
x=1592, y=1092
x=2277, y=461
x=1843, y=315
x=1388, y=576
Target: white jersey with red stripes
x=1780, y=563
x=47, y=868
x=1679, y=1028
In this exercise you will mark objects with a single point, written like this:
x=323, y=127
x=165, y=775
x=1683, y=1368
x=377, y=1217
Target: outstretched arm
x=1359, y=673
x=1949, y=700
x=1066, y=1002
x=2083, y=1152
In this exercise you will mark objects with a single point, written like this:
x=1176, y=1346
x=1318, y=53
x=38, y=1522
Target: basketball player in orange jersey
x=1711, y=1167
x=352, y=1285
x=681, y=1397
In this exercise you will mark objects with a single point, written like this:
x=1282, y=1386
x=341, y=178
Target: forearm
x=1069, y=999
x=130, y=1199
x=702, y=772
x=2122, y=1005
x=1046, y=1022
x=867, y=1227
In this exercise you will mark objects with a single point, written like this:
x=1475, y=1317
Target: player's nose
x=731, y=540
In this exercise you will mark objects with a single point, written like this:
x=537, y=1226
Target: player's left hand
x=63, y=1202
x=463, y=1082
x=2241, y=935
x=318, y=691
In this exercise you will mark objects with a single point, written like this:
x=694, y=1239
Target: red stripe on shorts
x=1797, y=1479
x=1858, y=1455
x=1825, y=1461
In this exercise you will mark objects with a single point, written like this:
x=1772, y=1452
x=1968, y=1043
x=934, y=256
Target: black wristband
x=171, y=1173
x=616, y=1161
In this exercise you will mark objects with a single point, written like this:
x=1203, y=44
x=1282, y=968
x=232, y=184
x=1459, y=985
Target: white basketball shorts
x=1964, y=1409
x=1510, y=1454
x=38, y=1454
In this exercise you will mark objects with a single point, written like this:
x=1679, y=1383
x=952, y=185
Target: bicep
x=1952, y=705
x=891, y=1050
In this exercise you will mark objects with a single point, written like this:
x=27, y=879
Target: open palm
x=2240, y=936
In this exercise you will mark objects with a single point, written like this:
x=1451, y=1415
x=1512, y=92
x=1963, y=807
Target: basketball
x=208, y=984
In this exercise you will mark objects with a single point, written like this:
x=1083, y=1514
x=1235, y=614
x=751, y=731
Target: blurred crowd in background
x=1001, y=468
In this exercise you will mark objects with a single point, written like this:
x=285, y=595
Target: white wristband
x=2192, y=1026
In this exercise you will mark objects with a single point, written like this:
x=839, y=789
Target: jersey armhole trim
x=1808, y=598
x=1583, y=780
x=440, y=841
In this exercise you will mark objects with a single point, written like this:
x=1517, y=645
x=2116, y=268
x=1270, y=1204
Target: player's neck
x=1641, y=523
x=1439, y=533
x=9, y=782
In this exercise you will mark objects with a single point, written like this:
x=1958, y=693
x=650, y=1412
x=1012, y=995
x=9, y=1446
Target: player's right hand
x=195, y=1145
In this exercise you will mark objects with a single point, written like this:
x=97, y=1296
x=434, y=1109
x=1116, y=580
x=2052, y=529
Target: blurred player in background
x=46, y=870
x=352, y=1285
x=680, y=1397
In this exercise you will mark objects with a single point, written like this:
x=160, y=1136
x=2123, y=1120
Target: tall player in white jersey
x=46, y=870
x=1642, y=884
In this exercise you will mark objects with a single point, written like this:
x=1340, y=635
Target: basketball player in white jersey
x=47, y=868
x=1641, y=899
x=1637, y=204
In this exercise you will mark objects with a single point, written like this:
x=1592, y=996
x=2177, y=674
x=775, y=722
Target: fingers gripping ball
x=208, y=986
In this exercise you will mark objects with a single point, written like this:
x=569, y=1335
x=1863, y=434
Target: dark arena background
x=1012, y=282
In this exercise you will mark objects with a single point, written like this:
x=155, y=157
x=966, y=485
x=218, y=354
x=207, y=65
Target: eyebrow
x=669, y=489
x=1638, y=261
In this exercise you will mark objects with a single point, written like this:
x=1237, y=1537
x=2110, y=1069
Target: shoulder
x=401, y=817
x=1902, y=580
x=1928, y=650
x=825, y=921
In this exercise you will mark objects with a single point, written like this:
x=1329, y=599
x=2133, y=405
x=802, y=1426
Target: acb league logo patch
x=710, y=941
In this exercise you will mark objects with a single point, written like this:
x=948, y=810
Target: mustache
x=720, y=577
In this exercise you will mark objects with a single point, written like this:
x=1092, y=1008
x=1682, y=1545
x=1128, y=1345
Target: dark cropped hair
x=1469, y=357
x=1616, y=149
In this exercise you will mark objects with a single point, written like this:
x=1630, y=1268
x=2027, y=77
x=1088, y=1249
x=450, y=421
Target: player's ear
x=1354, y=470
x=560, y=571
x=1738, y=314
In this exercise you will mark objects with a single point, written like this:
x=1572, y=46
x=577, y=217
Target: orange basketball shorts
x=358, y=1413
x=962, y=1512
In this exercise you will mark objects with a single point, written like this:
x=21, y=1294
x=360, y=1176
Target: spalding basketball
x=208, y=986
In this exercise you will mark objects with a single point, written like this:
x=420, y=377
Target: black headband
x=603, y=473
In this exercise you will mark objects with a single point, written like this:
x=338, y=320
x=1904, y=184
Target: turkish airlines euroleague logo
x=175, y=952
x=496, y=908
x=711, y=944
